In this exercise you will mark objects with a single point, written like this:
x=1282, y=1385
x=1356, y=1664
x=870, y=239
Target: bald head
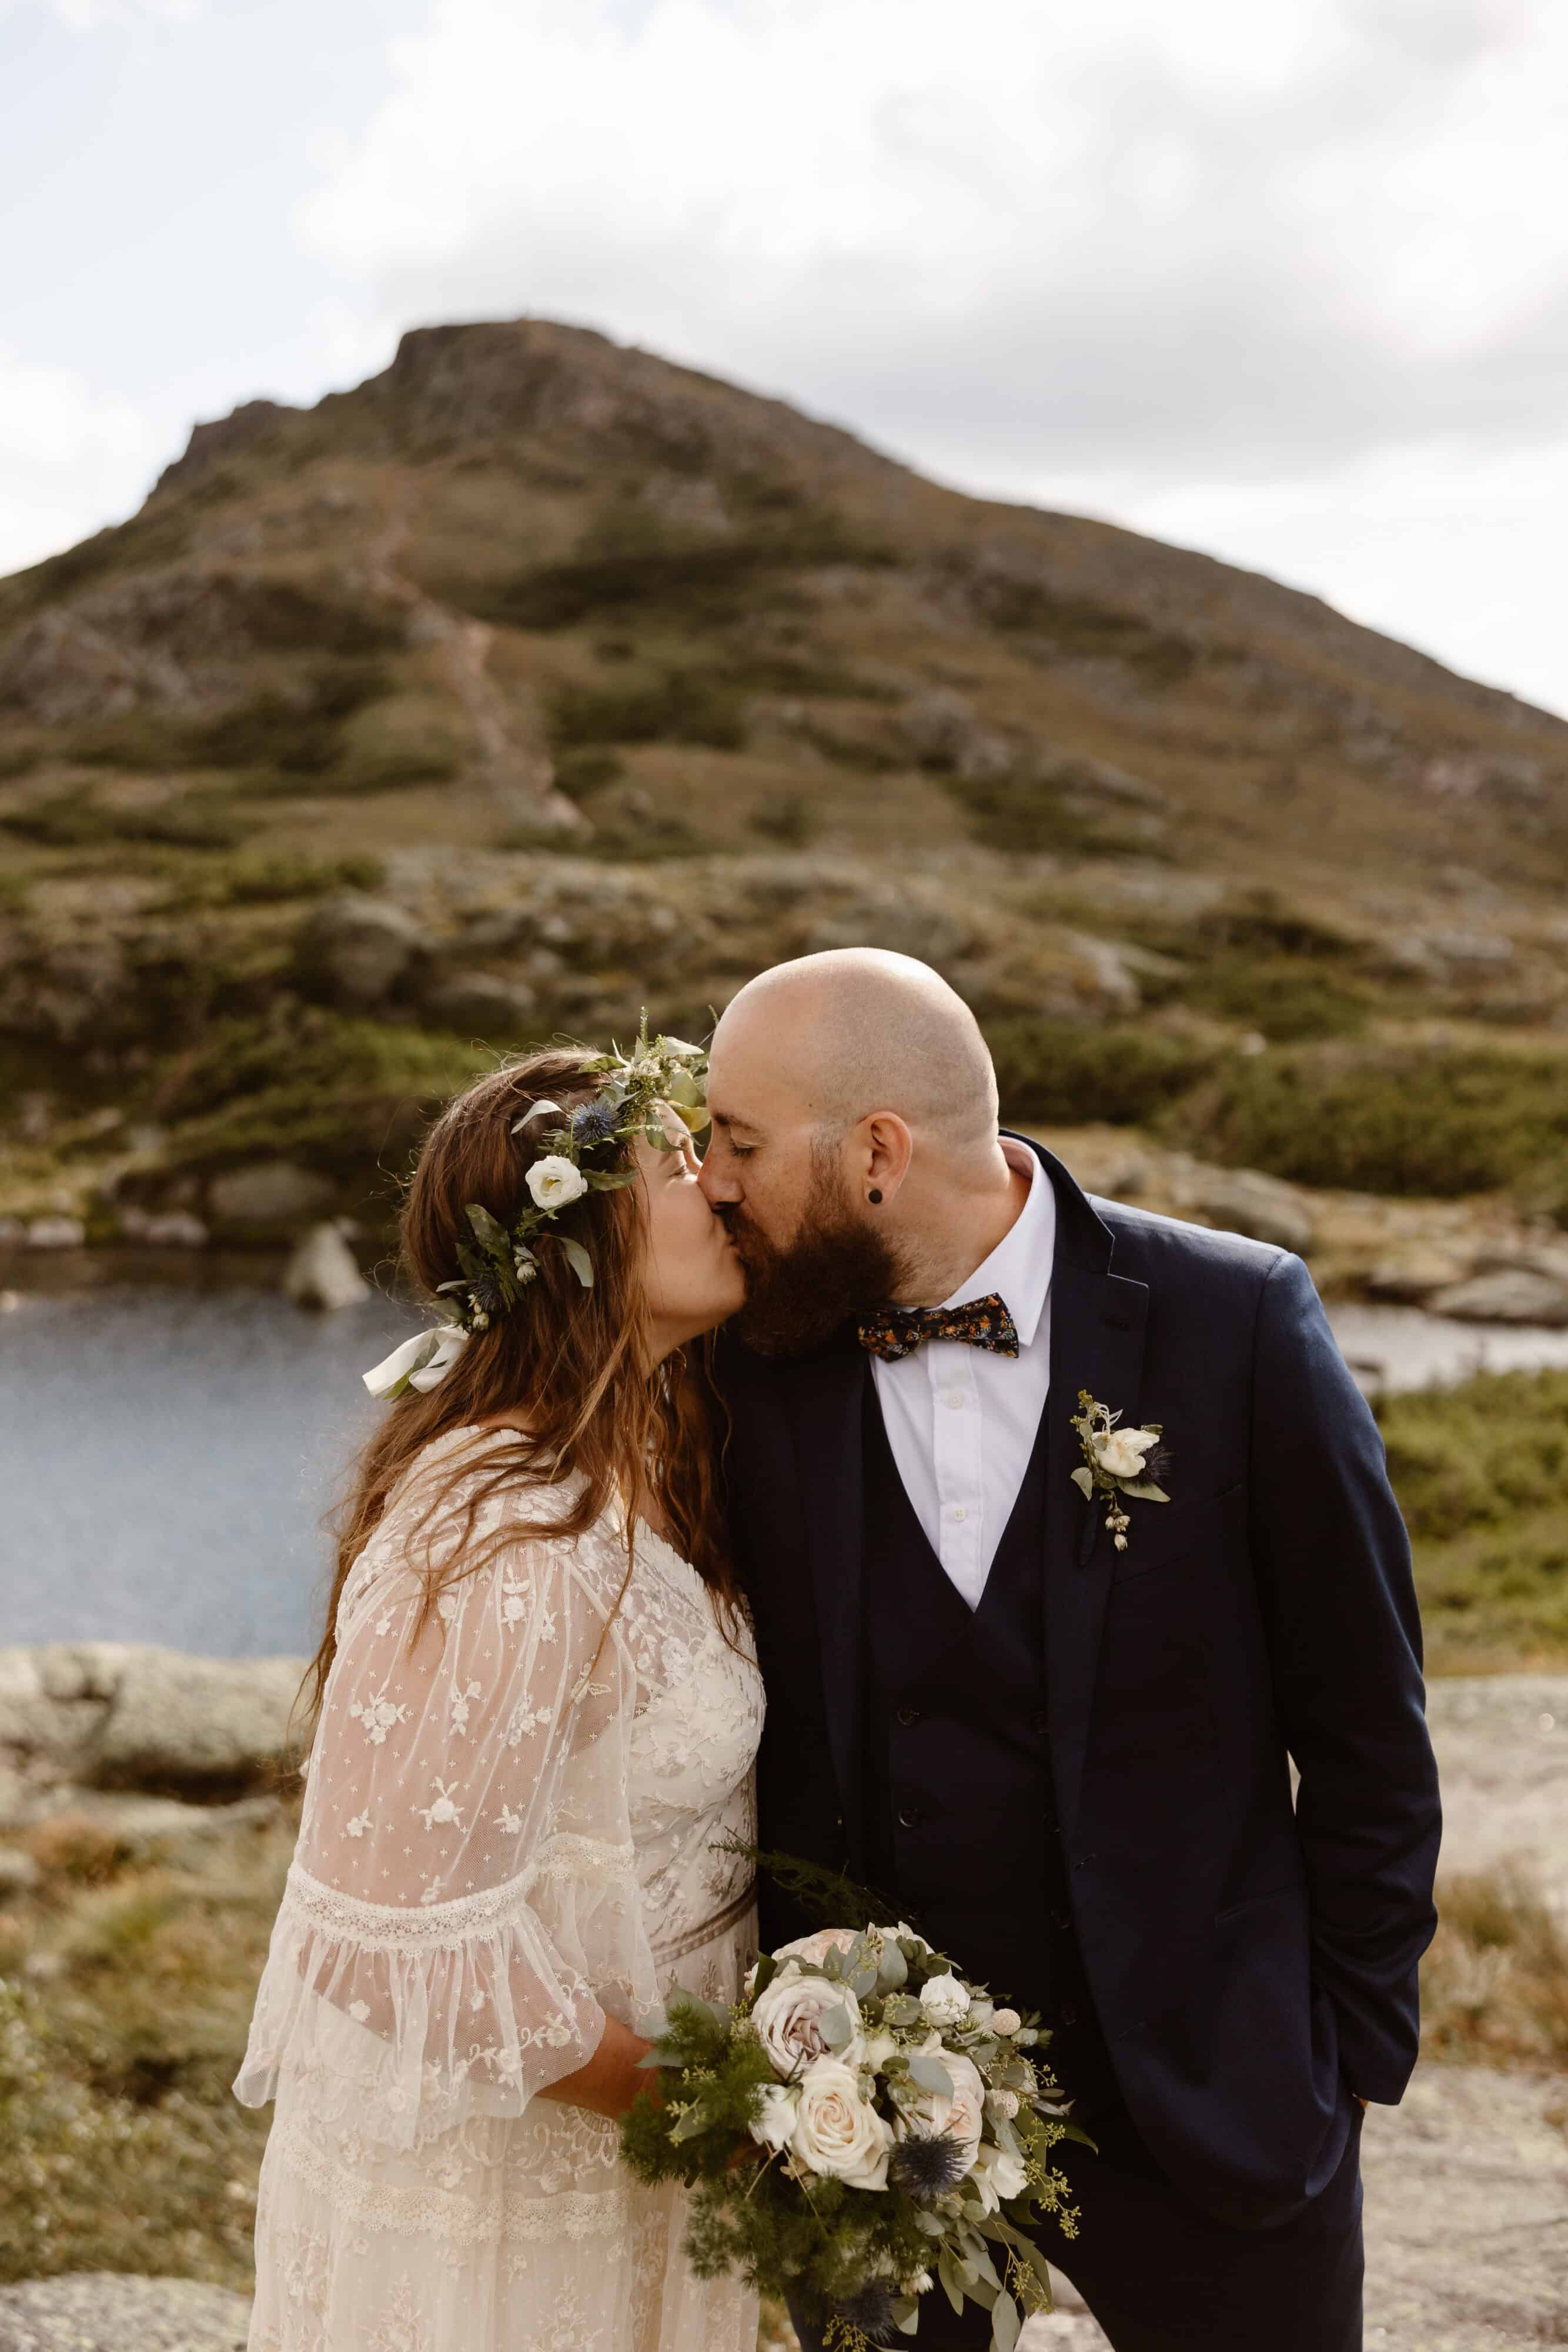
x=857, y=1030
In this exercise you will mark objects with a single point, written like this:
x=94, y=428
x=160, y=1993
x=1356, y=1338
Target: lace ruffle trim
x=383, y=1927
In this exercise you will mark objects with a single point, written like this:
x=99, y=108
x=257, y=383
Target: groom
x=1066, y=1762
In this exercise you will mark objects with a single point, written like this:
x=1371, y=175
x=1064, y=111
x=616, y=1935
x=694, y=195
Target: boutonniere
x=1117, y=1463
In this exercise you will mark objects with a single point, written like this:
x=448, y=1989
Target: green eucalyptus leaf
x=577, y=1257
x=894, y=1970
x=1083, y=1480
x=487, y=1231
x=537, y=1111
x=767, y=1970
x=835, y=2028
x=1145, y=1489
x=608, y=1180
x=952, y=2280
x=931, y=2074
x=1006, y=2325
x=472, y=1264
x=656, y=1134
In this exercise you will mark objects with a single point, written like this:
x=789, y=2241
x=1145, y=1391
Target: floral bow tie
x=894, y=1332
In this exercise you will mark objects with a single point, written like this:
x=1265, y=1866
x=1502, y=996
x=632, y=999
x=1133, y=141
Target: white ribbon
x=422, y=1362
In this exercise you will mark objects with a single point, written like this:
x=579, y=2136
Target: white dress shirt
x=961, y=1422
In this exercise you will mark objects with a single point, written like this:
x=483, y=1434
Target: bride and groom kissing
x=886, y=1577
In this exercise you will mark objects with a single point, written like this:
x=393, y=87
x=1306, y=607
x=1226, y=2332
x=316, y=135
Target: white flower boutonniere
x=1116, y=1462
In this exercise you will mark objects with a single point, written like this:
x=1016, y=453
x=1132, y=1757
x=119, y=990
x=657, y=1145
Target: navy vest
x=960, y=1815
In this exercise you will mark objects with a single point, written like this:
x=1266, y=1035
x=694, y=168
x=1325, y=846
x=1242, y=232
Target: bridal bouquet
x=861, y=2127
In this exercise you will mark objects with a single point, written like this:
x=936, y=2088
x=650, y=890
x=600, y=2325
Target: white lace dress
x=498, y=1849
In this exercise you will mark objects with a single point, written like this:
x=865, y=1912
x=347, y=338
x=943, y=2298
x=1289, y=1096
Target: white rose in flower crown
x=997, y=2175
x=1121, y=1451
x=944, y=2000
x=836, y=2131
x=788, y=2021
x=775, y=2123
x=553, y=1182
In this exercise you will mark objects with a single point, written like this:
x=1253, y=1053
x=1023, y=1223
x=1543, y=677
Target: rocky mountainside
x=535, y=677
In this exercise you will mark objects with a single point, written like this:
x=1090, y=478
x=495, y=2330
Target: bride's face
x=692, y=1277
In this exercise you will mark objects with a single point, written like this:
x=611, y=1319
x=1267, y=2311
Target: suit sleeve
x=1344, y=1639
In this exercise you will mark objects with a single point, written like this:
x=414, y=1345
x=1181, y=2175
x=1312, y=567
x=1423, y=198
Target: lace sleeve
x=463, y=1889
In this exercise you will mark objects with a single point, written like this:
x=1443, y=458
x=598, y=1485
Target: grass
x=1054, y=1070
x=1436, y=1118
x=1481, y=1474
x=124, y=1997
x=1494, y=1985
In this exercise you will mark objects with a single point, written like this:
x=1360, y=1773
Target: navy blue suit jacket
x=1248, y=1959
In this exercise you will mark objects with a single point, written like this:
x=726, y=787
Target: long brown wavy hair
x=575, y=1363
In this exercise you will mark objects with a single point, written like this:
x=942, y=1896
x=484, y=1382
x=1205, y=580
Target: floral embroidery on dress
x=376, y=1716
x=358, y=1825
x=442, y=1808
x=462, y=1699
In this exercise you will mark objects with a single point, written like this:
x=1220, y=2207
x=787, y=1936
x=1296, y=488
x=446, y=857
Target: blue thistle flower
x=871, y=2311
x=594, y=1122
x=923, y=2168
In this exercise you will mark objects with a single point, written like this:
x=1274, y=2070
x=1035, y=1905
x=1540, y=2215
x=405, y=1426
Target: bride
x=536, y=1713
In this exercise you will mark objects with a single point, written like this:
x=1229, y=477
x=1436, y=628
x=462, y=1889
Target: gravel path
x=94, y=2311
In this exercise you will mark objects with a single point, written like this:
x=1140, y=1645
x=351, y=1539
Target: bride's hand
x=613, y=2077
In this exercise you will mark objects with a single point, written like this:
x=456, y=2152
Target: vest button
x=907, y=1715
x=909, y=1817
x=1040, y=1721
x=1069, y=2014
x=1061, y=1920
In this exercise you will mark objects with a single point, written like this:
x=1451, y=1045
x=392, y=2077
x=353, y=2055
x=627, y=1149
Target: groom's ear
x=883, y=1148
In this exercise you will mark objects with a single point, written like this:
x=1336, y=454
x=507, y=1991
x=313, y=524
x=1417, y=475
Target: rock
x=63, y=666
x=1548, y=1259
x=323, y=1273
x=1411, y=1275
x=99, y=2310
x=270, y=1192
x=353, y=949
x=56, y=1232
x=12, y=1233
x=19, y=1874
x=1093, y=779
x=174, y=1229
x=1516, y=1296
x=137, y=1824
x=126, y=1715
x=482, y=1006
x=1241, y=1201
x=942, y=730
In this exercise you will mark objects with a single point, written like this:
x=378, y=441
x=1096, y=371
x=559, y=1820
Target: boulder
x=1411, y=1275
x=137, y=1825
x=353, y=951
x=126, y=1715
x=174, y=1229
x=100, y=2311
x=480, y=1006
x=323, y=1271
x=12, y=1233
x=56, y=1233
x=1241, y=1201
x=1514, y=1297
x=270, y=1192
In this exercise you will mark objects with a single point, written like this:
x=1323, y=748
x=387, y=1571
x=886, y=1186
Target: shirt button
x=956, y=1400
x=909, y=1817
x=907, y=1715
x=957, y=1512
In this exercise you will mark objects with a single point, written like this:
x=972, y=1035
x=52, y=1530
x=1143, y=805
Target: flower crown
x=500, y=1261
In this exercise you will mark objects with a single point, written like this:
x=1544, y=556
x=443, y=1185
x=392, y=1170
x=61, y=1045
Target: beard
x=835, y=1266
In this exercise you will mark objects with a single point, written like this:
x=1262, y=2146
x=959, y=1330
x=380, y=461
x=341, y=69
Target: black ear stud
x=874, y=1197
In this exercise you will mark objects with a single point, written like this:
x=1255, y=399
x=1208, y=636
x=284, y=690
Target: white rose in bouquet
x=816, y=1947
x=997, y=2175
x=788, y=2021
x=838, y=2132
x=927, y=2115
x=945, y=1999
x=775, y=2123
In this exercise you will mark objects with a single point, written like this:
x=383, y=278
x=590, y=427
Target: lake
x=167, y=1456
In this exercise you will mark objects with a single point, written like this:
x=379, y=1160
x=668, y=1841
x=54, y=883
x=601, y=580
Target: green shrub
x=1481, y=1475
x=300, y=735
x=76, y=821
x=1494, y=1985
x=1432, y=1119
x=689, y=705
x=264, y=881
x=633, y=566
x=580, y=774
x=788, y=818
x=1053, y=1070
x=1288, y=997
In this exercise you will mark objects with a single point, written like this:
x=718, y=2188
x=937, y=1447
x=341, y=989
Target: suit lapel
x=826, y=1428
x=1097, y=1328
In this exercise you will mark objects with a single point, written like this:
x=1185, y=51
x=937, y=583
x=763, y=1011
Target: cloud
x=1141, y=239
x=69, y=456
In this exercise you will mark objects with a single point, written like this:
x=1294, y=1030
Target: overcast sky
x=1284, y=279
